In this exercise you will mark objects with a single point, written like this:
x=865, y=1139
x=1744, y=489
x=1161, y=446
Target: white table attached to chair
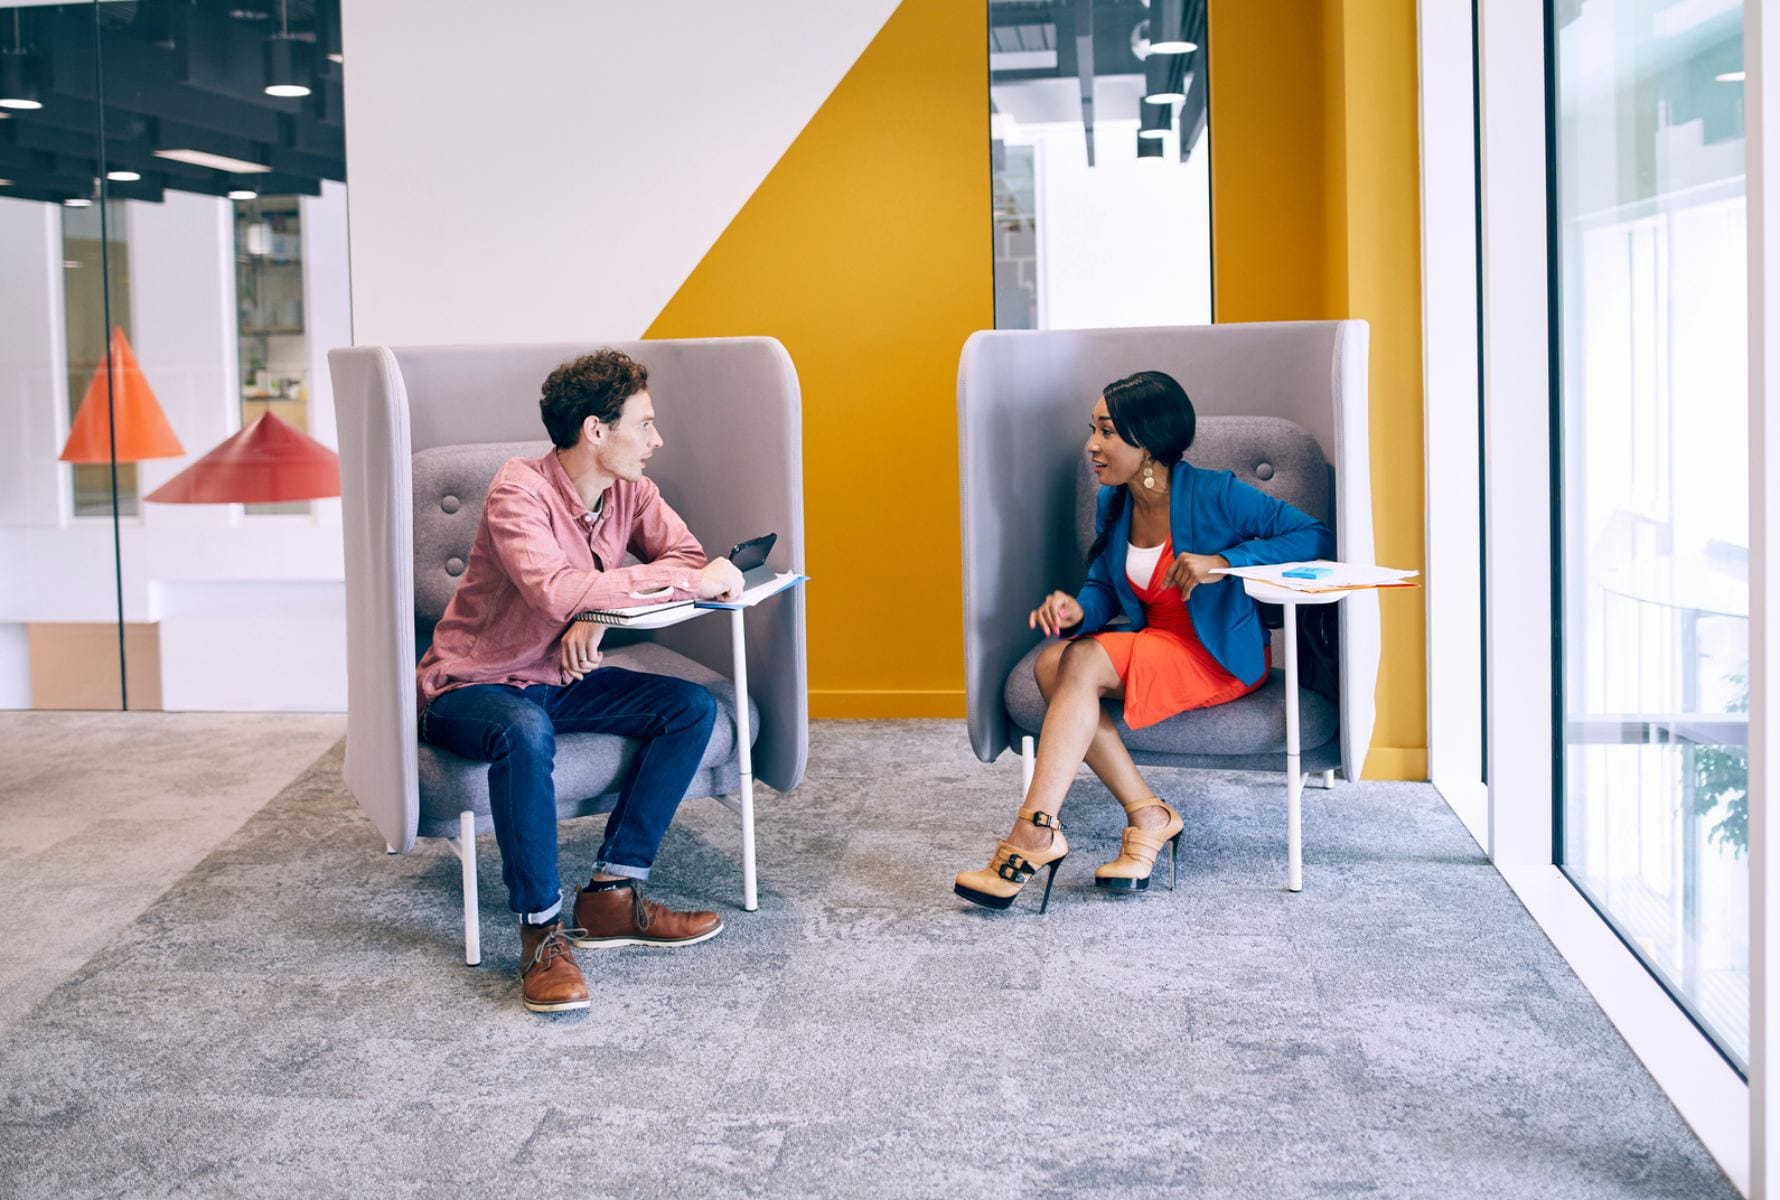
x=743, y=804
x=1289, y=600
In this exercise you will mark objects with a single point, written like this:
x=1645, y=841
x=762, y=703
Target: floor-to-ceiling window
x=1651, y=529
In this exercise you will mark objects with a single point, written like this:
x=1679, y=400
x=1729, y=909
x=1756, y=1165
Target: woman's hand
x=579, y=650
x=1188, y=571
x=1058, y=612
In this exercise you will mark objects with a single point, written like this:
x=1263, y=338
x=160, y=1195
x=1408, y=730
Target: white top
x=1140, y=563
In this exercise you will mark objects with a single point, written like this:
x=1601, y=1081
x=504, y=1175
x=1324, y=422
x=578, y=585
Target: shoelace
x=641, y=910
x=555, y=945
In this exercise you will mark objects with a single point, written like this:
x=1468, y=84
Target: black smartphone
x=752, y=553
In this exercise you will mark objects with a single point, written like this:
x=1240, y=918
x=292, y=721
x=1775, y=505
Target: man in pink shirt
x=512, y=665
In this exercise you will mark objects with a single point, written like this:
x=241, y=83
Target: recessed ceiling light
x=122, y=176
x=78, y=202
x=220, y=162
x=1175, y=47
x=21, y=104
x=287, y=90
x=1731, y=77
x=243, y=194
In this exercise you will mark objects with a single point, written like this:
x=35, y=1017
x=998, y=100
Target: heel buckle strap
x=1043, y=820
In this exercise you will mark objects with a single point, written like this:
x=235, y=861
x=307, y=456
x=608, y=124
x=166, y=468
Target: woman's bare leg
x=1072, y=716
x=1107, y=755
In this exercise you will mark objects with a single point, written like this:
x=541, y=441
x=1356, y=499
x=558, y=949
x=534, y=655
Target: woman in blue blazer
x=1164, y=528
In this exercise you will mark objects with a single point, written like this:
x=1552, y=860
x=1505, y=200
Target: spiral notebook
x=641, y=616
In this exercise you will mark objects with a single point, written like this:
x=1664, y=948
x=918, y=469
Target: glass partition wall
x=172, y=224
x=1100, y=152
x=1651, y=530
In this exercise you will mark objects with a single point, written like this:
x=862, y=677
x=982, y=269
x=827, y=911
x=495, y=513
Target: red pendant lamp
x=268, y=462
x=128, y=408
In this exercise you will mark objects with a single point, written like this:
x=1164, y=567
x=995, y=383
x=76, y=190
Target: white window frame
x=1517, y=828
x=1761, y=58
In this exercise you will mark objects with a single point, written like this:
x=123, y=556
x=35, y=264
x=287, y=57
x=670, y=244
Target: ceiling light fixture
x=219, y=162
x=243, y=194
x=1166, y=35
x=1156, y=122
x=288, y=61
x=123, y=176
x=77, y=202
x=21, y=74
x=1162, y=75
x=1731, y=77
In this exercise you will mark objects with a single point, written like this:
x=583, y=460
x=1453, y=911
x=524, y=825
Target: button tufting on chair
x=1264, y=471
x=450, y=504
x=454, y=566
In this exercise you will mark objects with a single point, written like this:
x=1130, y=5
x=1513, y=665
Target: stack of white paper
x=1330, y=576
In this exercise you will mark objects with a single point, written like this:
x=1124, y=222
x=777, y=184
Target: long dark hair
x=1153, y=412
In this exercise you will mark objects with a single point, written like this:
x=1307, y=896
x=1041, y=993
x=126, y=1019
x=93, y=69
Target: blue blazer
x=1209, y=512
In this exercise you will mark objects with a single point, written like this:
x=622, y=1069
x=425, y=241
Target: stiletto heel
x=1138, y=848
x=1049, y=880
x=996, y=885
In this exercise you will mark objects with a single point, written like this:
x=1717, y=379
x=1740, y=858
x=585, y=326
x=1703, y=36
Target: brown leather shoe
x=621, y=916
x=549, y=979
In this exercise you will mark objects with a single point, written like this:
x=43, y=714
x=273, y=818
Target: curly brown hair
x=594, y=385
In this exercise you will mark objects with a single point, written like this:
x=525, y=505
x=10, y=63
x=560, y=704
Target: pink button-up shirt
x=539, y=558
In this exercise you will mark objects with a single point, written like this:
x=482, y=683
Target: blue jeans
x=514, y=730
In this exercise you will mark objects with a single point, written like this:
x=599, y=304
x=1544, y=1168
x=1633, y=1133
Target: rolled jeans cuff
x=602, y=867
x=542, y=918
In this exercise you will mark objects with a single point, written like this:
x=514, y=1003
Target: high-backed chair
x=423, y=431
x=1282, y=405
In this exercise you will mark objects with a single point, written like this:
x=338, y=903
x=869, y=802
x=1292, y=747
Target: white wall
x=555, y=170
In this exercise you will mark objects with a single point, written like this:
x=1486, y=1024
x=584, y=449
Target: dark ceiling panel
x=177, y=74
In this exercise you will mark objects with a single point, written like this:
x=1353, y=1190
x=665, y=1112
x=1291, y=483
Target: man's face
x=626, y=444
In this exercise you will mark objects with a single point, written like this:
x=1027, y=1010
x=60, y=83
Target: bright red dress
x=1164, y=666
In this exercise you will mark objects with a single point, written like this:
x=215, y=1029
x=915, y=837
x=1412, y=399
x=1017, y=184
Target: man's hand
x=1058, y=612
x=719, y=580
x=1188, y=571
x=580, y=648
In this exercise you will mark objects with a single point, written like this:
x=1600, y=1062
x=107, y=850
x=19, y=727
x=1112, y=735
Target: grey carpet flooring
x=291, y=1018
x=101, y=811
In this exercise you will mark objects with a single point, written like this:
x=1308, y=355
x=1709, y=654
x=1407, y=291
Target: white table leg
x=466, y=854
x=1294, y=771
x=744, y=730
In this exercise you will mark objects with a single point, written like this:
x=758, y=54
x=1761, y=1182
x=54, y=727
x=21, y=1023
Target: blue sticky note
x=1306, y=572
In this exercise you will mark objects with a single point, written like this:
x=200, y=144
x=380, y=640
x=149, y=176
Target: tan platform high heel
x=996, y=885
x=1138, y=848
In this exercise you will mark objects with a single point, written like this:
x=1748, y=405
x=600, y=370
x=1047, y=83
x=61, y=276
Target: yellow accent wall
x=867, y=252
x=1315, y=176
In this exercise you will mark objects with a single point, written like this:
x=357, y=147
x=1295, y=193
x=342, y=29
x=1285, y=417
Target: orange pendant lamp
x=268, y=462
x=133, y=413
